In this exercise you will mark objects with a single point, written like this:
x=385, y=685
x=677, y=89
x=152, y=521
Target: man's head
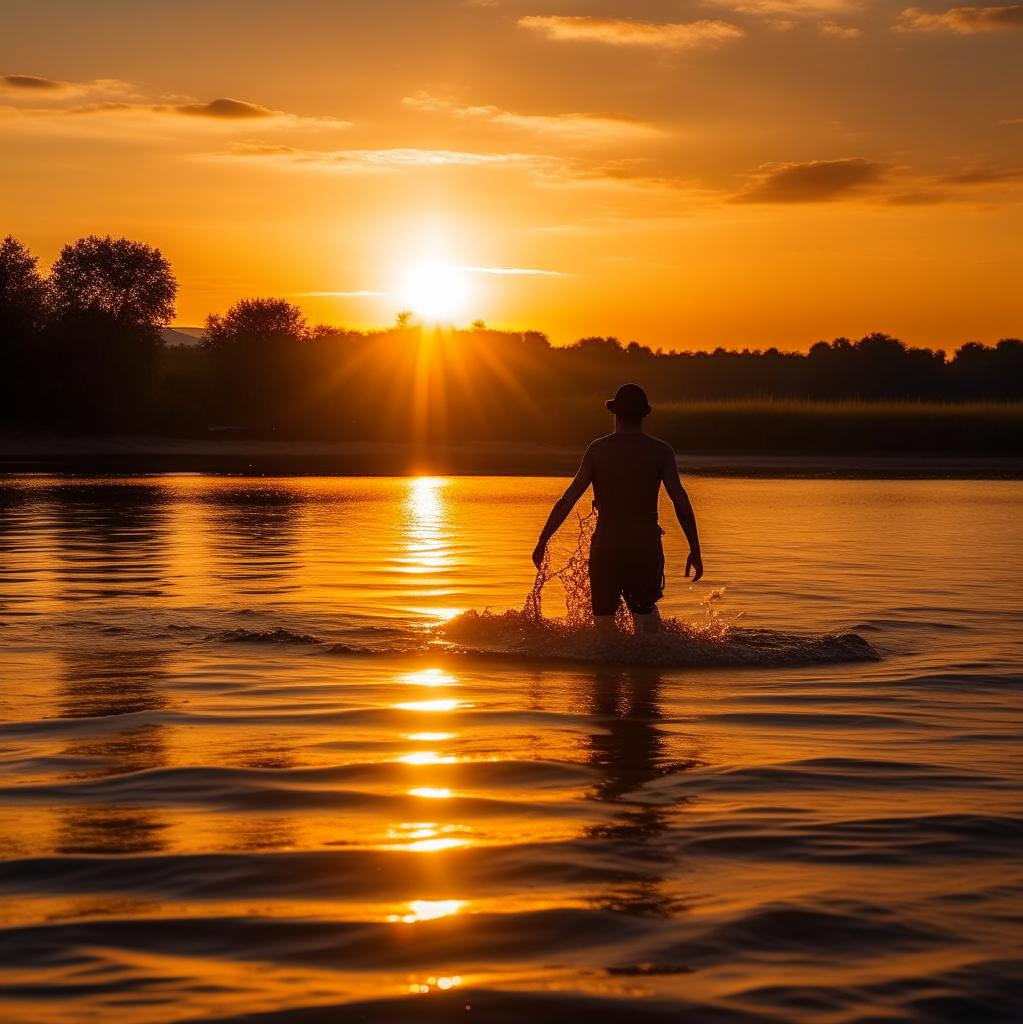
x=629, y=404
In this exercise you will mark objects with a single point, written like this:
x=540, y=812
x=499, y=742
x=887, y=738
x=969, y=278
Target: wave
x=677, y=645
x=278, y=635
x=518, y=635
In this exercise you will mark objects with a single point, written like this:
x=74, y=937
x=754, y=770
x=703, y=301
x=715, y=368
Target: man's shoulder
x=659, y=446
x=598, y=442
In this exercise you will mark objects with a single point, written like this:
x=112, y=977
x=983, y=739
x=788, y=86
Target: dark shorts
x=629, y=566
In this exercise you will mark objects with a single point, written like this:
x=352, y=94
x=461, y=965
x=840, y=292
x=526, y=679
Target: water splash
x=710, y=640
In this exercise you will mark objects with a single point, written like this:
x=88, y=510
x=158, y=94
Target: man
x=626, y=469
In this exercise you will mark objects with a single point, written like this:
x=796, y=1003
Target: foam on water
x=710, y=640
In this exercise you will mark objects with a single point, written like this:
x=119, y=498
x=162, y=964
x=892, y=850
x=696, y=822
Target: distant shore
x=136, y=454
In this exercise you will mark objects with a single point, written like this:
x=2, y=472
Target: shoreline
x=146, y=455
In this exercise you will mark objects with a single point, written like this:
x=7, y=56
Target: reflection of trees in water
x=630, y=753
x=112, y=682
x=111, y=543
x=21, y=564
x=110, y=539
x=253, y=533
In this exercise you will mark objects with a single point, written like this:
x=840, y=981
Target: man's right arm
x=575, y=490
x=683, y=512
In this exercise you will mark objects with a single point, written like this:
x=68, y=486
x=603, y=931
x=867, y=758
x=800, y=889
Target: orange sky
x=685, y=173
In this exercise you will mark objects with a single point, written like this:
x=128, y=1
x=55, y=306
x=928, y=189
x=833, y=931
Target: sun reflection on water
x=427, y=837
x=427, y=546
x=428, y=910
x=427, y=549
x=428, y=677
x=444, y=983
x=441, y=704
x=427, y=757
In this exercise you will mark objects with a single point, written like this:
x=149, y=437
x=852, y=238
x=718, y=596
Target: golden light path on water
x=428, y=548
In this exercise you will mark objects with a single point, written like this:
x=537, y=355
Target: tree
x=253, y=322
x=258, y=351
x=21, y=316
x=21, y=290
x=478, y=325
x=130, y=283
x=107, y=300
x=403, y=320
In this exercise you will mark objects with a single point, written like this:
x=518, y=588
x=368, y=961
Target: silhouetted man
x=626, y=469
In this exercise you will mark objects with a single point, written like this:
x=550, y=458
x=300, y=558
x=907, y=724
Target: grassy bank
x=842, y=428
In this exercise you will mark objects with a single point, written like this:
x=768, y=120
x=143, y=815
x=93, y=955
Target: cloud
x=38, y=87
x=365, y=293
x=627, y=32
x=837, y=31
x=984, y=176
x=977, y=184
x=115, y=102
x=513, y=271
x=787, y=8
x=362, y=293
x=376, y=160
x=811, y=182
x=227, y=109
x=35, y=83
x=962, y=20
x=583, y=126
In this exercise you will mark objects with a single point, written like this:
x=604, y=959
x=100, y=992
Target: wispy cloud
x=837, y=31
x=975, y=184
x=579, y=126
x=375, y=160
x=628, y=32
x=104, y=105
x=962, y=20
x=783, y=9
x=513, y=271
x=810, y=182
x=983, y=176
x=38, y=87
x=362, y=293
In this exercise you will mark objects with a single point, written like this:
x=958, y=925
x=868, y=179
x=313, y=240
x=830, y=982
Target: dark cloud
x=227, y=109
x=810, y=182
x=962, y=20
x=984, y=176
x=33, y=82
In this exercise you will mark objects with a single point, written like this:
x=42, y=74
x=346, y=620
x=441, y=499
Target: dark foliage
x=90, y=357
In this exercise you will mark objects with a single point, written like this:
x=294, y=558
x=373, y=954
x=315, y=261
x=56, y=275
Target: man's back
x=627, y=470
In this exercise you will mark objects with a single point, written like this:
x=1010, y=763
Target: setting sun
x=435, y=291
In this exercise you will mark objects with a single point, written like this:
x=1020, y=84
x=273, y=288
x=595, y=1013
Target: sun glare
x=435, y=291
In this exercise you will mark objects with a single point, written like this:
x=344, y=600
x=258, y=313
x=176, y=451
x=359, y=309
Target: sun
x=435, y=291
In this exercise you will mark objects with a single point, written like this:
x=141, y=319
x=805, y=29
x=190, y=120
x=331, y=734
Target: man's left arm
x=683, y=512
x=575, y=490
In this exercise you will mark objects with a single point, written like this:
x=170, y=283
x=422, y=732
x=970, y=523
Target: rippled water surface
x=254, y=764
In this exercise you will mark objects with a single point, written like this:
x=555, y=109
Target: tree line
x=81, y=349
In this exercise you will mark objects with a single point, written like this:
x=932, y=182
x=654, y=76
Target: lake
x=258, y=763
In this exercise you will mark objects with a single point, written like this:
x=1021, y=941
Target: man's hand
x=694, y=563
x=538, y=552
